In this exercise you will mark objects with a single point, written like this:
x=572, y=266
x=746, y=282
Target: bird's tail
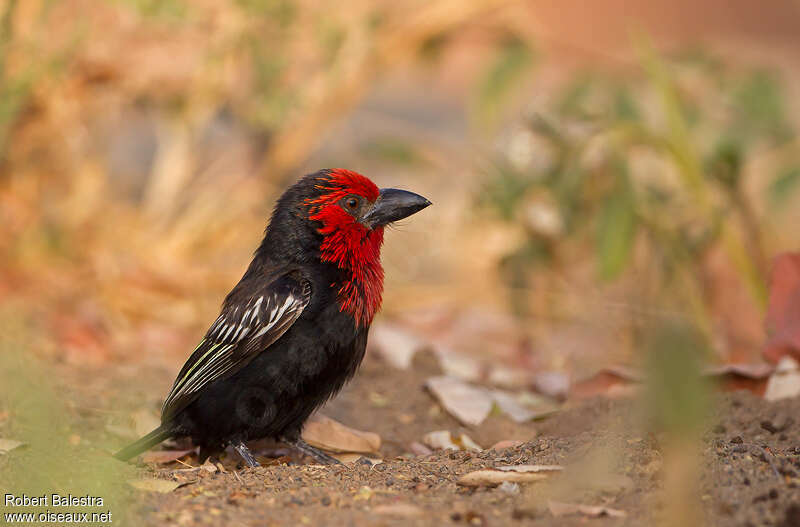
x=144, y=443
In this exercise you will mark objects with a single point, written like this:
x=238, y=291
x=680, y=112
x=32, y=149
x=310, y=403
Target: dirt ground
x=749, y=475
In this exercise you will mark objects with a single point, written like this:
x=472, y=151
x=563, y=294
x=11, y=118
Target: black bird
x=294, y=329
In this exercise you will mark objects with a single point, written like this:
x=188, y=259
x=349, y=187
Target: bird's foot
x=311, y=451
x=245, y=453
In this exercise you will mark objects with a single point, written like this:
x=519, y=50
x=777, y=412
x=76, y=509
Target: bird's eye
x=351, y=203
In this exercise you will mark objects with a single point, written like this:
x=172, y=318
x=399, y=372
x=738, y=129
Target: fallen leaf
x=606, y=381
x=757, y=370
x=783, y=310
x=164, y=456
x=459, y=365
x=541, y=406
x=752, y=377
x=554, y=384
x=155, y=485
x=595, y=511
x=508, y=377
x=394, y=344
x=399, y=510
x=443, y=439
x=509, y=404
x=323, y=432
x=419, y=449
x=785, y=381
x=513, y=474
x=469, y=404
x=7, y=445
x=348, y=458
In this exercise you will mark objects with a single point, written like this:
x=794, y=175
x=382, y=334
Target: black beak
x=392, y=205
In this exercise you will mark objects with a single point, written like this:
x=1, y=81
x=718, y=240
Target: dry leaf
x=508, y=377
x=783, y=311
x=757, y=370
x=607, y=381
x=469, y=404
x=458, y=365
x=595, y=511
x=164, y=456
x=443, y=439
x=440, y=439
x=155, y=485
x=419, y=449
x=752, y=377
x=399, y=510
x=396, y=345
x=348, y=458
x=510, y=405
x=323, y=432
x=785, y=381
x=518, y=474
x=7, y=445
x=554, y=384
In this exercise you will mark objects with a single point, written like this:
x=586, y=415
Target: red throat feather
x=350, y=245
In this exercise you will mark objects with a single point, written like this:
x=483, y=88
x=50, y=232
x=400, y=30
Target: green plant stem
x=679, y=144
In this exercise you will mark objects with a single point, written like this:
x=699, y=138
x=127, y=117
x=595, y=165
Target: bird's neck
x=357, y=253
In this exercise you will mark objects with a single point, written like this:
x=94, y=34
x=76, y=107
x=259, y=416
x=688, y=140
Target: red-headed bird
x=294, y=329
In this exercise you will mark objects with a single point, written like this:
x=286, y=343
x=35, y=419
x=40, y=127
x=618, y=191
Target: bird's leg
x=310, y=451
x=244, y=452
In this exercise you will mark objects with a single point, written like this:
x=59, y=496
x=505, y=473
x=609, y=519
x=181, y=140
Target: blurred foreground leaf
x=617, y=227
x=51, y=462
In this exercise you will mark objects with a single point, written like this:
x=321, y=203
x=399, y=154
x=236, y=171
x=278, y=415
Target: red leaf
x=783, y=311
x=614, y=381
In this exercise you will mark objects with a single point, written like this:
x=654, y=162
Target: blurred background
x=593, y=170
x=596, y=173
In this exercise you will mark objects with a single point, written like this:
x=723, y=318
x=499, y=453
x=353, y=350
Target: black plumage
x=288, y=336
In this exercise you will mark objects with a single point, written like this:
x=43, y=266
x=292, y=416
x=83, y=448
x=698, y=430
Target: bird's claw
x=245, y=453
x=313, y=452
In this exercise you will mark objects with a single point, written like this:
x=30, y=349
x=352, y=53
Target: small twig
x=186, y=464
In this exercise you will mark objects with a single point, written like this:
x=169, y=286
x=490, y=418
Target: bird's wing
x=242, y=331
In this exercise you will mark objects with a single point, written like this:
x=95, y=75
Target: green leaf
x=512, y=61
x=504, y=191
x=617, y=227
x=760, y=104
x=782, y=186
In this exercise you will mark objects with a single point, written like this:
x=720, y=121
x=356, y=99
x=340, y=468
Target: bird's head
x=347, y=201
x=350, y=212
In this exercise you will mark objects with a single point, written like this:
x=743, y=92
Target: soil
x=749, y=474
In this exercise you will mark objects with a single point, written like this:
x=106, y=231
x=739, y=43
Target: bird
x=294, y=329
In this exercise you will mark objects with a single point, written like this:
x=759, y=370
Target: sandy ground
x=749, y=474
